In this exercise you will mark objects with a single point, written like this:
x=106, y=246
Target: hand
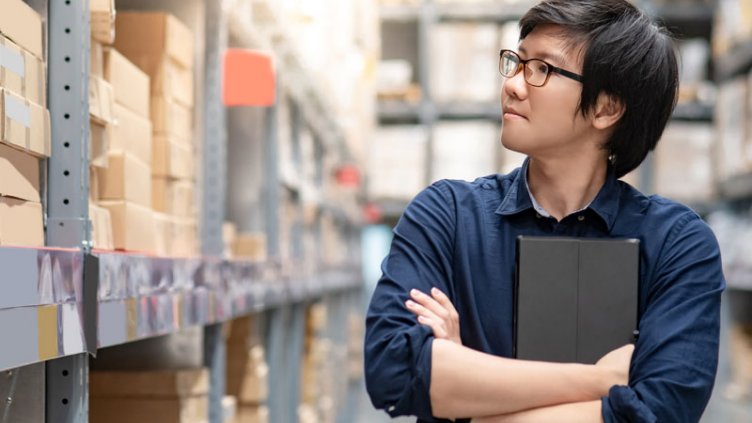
x=617, y=364
x=437, y=312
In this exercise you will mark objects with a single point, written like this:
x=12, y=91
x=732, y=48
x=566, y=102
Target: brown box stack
x=24, y=124
x=161, y=46
x=247, y=371
x=122, y=187
x=151, y=396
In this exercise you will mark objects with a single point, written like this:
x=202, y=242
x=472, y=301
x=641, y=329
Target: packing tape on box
x=18, y=110
x=12, y=60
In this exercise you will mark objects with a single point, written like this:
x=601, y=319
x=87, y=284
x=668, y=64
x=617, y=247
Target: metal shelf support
x=68, y=170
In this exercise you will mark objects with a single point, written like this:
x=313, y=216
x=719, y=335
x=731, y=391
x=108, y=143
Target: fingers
x=431, y=304
x=438, y=329
x=444, y=301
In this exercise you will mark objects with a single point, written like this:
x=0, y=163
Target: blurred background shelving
x=175, y=251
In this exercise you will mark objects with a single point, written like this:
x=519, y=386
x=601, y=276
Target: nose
x=515, y=86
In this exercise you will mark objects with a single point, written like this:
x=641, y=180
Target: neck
x=563, y=187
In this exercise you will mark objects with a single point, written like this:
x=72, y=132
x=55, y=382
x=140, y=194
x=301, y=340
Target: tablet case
x=575, y=299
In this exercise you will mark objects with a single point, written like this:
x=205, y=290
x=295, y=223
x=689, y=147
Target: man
x=587, y=94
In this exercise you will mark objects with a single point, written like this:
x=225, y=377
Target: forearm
x=581, y=412
x=466, y=383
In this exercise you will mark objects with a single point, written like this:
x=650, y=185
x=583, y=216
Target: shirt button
x=581, y=218
x=538, y=215
x=390, y=409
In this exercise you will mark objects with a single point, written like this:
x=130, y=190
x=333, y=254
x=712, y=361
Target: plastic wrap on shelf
x=42, y=309
x=142, y=296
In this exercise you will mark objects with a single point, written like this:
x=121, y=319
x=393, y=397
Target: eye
x=541, y=67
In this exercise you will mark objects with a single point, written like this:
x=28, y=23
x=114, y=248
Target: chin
x=513, y=143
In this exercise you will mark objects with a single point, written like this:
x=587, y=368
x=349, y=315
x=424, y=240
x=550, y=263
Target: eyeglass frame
x=551, y=69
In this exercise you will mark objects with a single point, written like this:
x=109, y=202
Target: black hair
x=624, y=55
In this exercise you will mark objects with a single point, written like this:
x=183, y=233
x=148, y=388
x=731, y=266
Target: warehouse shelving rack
x=426, y=14
x=63, y=302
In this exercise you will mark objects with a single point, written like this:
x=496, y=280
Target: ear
x=608, y=111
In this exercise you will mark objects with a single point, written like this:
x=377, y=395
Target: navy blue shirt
x=460, y=237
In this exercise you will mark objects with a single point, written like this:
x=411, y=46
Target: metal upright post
x=426, y=22
x=296, y=121
x=214, y=188
x=68, y=187
x=271, y=181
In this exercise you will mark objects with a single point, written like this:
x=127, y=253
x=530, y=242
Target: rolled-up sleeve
x=397, y=348
x=676, y=357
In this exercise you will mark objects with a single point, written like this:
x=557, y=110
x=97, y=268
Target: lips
x=512, y=113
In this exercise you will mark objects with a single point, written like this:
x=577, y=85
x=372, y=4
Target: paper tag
x=12, y=60
x=17, y=110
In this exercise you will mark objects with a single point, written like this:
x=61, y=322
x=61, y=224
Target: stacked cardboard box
x=24, y=125
x=162, y=47
x=247, y=371
x=172, y=396
x=124, y=186
x=319, y=393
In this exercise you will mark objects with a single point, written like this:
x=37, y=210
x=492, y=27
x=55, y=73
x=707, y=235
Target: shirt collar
x=518, y=197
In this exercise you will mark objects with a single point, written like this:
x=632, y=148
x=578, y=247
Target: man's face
x=544, y=120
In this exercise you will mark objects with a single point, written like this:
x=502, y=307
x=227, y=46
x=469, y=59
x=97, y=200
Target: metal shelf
x=695, y=112
x=399, y=13
x=470, y=110
x=141, y=297
x=402, y=112
x=684, y=13
x=735, y=62
x=481, y=12
x=737, y=187
x=42, y=311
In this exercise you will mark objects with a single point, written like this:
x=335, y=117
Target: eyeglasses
x=537, y=72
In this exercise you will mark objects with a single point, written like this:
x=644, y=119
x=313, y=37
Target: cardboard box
x=129, y=84
x=98, y=144
x=251, y=414
x=163, y=48
x=131, y=133
x=103, y=20
x=251, y=246
x=96, y=58
x=126, y=179
x=172, y=159
x=93, y=185
x=19, y=174
x=22, y=73
x=132, y=226
x=101, y=228
x=162, y=233
x=101, y=100
x=250, y=384
x=165, y=384
x=25, y=125
x=21, y=223
x=173, y=197
x=147, y=410
x=23, y=25
x=172, y=119
x=154, y=34
x=229, y=233
x=184, y=242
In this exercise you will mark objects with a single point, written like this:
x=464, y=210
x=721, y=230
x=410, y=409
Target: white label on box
x=18, y=110
x=13, y=61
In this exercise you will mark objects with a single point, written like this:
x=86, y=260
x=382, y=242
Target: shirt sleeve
x=397, y=348
x=676, y=357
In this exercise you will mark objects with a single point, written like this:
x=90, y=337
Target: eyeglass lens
x=536, y=71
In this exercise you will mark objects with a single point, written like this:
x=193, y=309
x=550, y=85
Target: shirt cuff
x=623, y=406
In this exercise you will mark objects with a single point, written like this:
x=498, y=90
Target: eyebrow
x=557, y=58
